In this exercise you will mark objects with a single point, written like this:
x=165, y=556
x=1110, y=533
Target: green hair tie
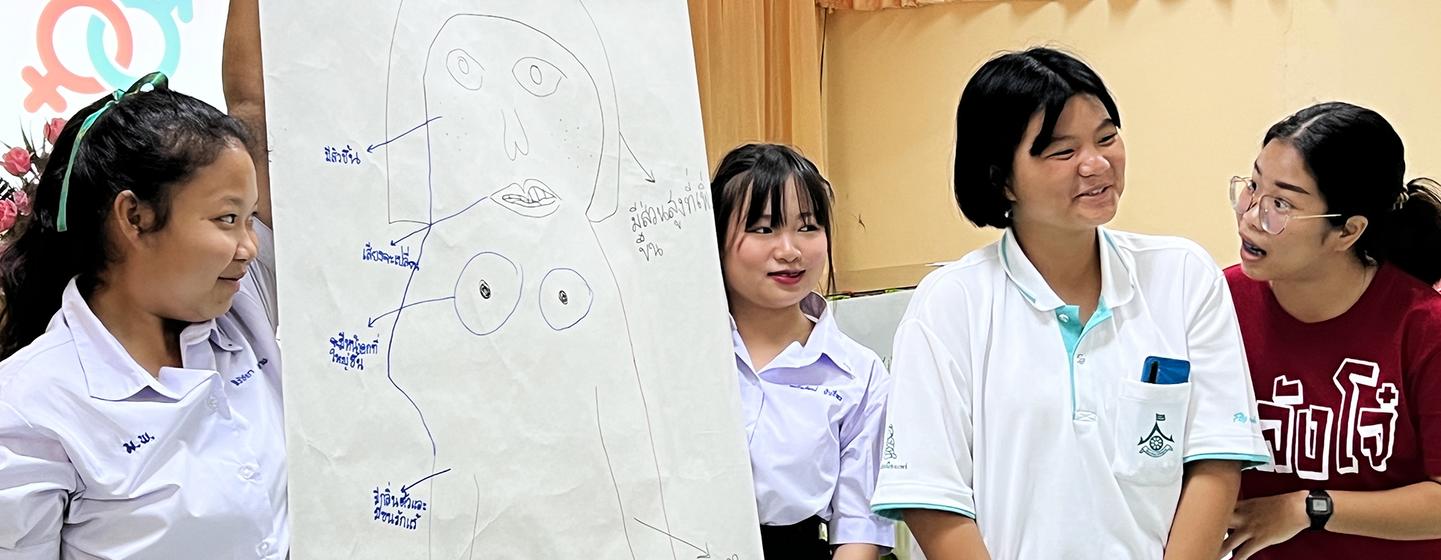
x=151, y=82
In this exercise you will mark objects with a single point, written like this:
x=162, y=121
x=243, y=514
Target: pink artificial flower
x=17, y=162
x=53, y=128
x=7, y=215
x=22, y=202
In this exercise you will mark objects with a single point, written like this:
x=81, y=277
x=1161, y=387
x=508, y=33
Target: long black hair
x=1359, y=166
x=754, y=177
x=146, y=143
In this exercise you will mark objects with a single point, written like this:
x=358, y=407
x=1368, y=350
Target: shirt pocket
x=1150, y=432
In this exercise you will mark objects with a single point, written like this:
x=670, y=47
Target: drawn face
x=517, y=118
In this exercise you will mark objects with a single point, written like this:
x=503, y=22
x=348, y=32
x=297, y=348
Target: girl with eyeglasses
x=1343, y=336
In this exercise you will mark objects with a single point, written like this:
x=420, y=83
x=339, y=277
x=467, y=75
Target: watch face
x=1319, y=505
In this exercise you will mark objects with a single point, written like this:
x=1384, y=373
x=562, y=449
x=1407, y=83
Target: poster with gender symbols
x=502, y=317
x=57, y=56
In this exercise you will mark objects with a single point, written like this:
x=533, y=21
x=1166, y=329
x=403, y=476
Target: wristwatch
x=1318, y=508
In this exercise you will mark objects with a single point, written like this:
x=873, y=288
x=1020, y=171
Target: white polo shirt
x=100, y=460
x=1008, y=410
x=813, y=419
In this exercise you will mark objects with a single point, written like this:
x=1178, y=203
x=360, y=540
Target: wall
x=1197, y=81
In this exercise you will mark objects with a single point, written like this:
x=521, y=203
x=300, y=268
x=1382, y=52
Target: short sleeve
x=1222, y=423
x=259, y=284
x=926, y=460
x=852, y=520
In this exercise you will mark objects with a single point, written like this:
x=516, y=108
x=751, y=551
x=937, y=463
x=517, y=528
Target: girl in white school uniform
x=812, y=398
x=1068, y=391
x=140, y=392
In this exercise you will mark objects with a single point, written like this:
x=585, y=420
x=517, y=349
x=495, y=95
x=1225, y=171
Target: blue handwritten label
x=137, y=442
x=349, y=352
x=346, y=156
x=397, y=510
x=242, y=378
x=401, y=259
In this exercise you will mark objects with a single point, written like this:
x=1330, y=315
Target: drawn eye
x=565, y=298
x=487, y=293
x=464, y=69
x=537, y=76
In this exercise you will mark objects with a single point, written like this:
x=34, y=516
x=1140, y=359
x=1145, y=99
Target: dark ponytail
x=1411, y=237
x=145, y=143
x=1358, y=162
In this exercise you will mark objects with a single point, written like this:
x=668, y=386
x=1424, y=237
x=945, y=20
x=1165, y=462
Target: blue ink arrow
x=371, y=148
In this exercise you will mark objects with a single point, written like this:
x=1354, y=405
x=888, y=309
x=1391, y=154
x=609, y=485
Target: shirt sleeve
x=851, y=517
x=36, y=480
x=926, y=460
x=259, y=283
x=1421, y=363
x=1222, y=423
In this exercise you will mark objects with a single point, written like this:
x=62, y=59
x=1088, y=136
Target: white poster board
x=502, y=316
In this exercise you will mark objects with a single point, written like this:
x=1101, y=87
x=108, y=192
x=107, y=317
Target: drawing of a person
x=539, y=412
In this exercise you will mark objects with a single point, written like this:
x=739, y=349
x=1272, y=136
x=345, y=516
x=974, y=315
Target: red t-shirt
x=1351, y=403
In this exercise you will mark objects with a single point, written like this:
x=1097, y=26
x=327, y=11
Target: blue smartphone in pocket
x=1165, y=371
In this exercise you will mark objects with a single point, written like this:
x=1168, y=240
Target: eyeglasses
x=1275, y=213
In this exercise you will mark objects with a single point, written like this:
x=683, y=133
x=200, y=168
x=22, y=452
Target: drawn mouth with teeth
x=532, y=199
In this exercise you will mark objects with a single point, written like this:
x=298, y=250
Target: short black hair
x=991, y=119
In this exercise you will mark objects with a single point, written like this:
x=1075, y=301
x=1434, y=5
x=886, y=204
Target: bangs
x=765, y=193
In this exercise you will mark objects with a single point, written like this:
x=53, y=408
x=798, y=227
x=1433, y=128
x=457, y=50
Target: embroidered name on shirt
x=814, y=389
x=134, y=444
x=242, y=378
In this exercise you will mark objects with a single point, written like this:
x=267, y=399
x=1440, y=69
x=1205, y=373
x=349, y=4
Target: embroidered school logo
x=1157, y=443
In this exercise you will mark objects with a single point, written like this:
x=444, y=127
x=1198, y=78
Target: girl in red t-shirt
x=1343, y=336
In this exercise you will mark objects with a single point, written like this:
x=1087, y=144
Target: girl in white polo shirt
x=812, y=398
x=1068, y=391
x=140, y=392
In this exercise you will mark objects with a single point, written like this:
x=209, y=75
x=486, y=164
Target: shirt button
x=1065, y=318
x=212, y=403
x=263, y=548
x=247, y=472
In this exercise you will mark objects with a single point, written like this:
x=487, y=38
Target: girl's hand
x=1261, y=522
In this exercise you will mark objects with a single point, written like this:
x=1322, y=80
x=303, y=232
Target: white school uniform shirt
x=813, y=417
x=1010, y=411
x=98, y=459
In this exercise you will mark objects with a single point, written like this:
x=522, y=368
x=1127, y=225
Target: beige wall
x=1197, y=82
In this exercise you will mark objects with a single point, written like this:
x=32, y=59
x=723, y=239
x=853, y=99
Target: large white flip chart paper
x=502, y=317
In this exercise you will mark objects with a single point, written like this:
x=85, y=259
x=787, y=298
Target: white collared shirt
x=98, y=459
x=1009, y=410
x=813, y=417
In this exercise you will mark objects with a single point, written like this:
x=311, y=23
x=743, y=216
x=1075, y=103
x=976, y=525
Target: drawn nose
x=513, y=135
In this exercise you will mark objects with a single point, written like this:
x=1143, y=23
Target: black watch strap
x=1318, y=508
